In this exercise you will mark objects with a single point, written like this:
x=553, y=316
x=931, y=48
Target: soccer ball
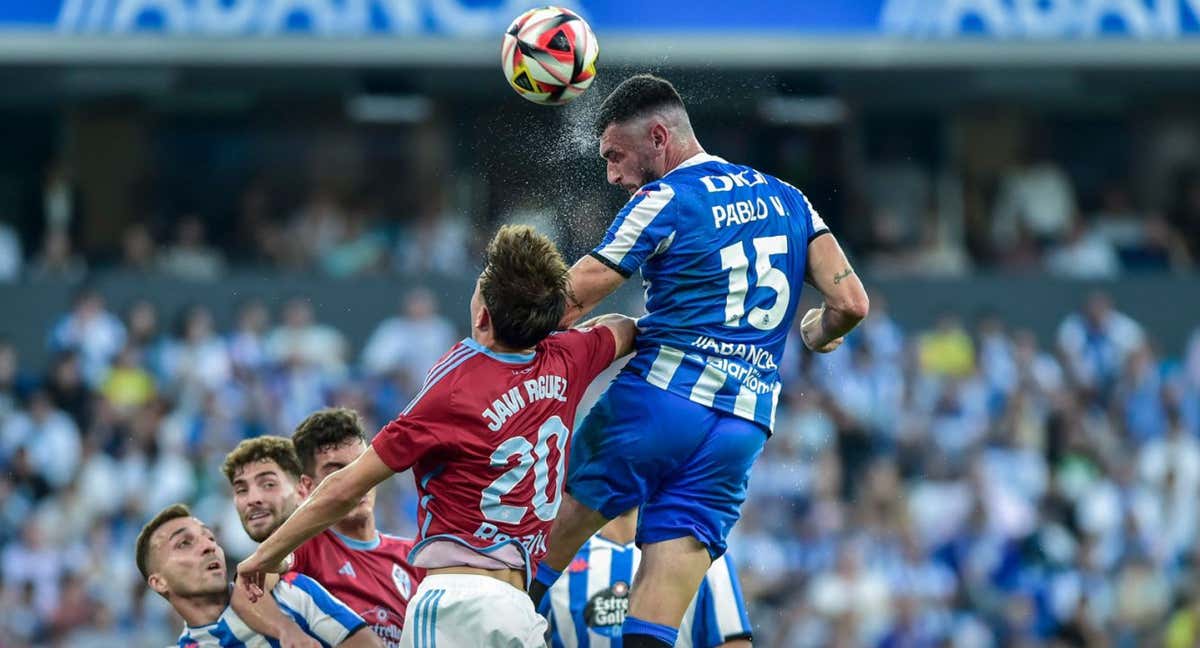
x=549, y=55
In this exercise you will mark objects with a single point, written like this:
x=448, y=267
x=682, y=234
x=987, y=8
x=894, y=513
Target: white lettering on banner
x=1040, y=19
x=273, y=17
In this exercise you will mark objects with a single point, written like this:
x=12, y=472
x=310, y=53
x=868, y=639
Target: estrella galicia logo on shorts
x=402, y=581
x=605, y=611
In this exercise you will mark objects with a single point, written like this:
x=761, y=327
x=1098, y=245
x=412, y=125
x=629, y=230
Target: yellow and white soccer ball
x=549, y=55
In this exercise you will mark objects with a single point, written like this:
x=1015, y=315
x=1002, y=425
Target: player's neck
x=685, y=152
x=201, y=609
x=488, y=341
x=360, y=529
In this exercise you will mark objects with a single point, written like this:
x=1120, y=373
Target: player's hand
x=291, y=636
x=252, y=572
x=811, y=332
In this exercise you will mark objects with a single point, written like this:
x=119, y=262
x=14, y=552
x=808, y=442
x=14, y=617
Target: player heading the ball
x=486, y=438
x=724, y=250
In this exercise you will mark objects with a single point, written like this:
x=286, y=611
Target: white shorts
x=469, y=611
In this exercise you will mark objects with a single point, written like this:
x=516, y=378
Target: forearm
x=364, y=638
x=836, y=322
x=588, y=283
x=263, y=616
x=330, y=502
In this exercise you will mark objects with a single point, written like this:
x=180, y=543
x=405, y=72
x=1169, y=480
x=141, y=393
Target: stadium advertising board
x=910, y=19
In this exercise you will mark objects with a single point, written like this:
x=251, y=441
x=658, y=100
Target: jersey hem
x=818, y=234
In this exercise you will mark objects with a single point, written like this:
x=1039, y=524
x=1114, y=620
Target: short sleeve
x=813, y=222
x=590, y=351
x=644, y=224
x=720, y=608
x=413, y=434
x=315, y=610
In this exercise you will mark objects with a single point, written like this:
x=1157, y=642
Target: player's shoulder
x=394, y=544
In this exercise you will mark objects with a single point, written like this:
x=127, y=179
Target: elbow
x=855, y=307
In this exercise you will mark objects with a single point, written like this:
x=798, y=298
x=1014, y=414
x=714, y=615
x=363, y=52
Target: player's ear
x=659, y=135
x=158, y=584
x=305, y=486
x=483, y=320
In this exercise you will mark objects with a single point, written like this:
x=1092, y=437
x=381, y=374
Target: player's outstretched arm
x=333, y=499
x=845, y=298
x=589, y=283
x=264, y=617
x=623, y=327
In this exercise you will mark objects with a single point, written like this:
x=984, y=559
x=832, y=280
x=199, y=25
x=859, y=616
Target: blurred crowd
x=910, y=201
x=966, y=486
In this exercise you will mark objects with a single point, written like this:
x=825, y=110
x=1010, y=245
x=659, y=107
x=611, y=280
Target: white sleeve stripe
x=724, y=599
x=636, y=221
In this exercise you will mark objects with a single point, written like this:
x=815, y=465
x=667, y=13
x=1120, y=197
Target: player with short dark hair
x=363, y=567
x=486, y=439
x=723, y=250
x=179, y=558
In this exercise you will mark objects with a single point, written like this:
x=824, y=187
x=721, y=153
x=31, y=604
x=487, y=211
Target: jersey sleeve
x=643, y=225
x=415, y=433
x=315, y=610
x=590, y=351
x=813, y=222
x=720, y=608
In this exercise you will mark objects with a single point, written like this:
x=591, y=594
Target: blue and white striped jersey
x=587, y=606
x=315, y=610
x=722, y=250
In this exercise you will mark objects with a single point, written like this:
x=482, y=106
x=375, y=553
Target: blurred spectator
x=50, y=436
x=899, y=192
x=197, y=360
x=1096, y=343
x=854, y=594
x=315, y=227
x=358, y=250
x=247, y=345
x=67, y=389
x=437, y=241
x=410, y=343
x=1036, y=197
x=93, y=331
x=299, y=339
x=9, y=379
x=948, y=349
x=137, y=249
x=11, y=257
x=190, y=257
x=141, y=322
x=128, y=385
x=57, y=261
x=1083, y=254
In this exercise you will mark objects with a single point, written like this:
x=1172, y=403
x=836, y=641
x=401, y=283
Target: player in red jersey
x=364, y=568
x=368, y=569
x=486, y=438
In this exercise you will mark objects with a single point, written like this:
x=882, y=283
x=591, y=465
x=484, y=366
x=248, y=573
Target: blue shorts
x=686, y=465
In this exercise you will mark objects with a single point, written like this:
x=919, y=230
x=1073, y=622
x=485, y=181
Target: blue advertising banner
x=1038, y=20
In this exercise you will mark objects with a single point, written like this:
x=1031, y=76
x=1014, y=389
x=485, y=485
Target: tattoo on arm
x=837, y=278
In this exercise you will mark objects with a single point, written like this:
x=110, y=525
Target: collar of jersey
x=699, y=158
x=510, y=358
x=358, y=545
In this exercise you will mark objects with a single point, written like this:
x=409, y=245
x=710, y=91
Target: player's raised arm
x=589, y=282
x=845, y=299
x=333, y=499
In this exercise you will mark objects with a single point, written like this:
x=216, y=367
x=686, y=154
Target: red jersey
x=487, y=440
x=372, y=578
